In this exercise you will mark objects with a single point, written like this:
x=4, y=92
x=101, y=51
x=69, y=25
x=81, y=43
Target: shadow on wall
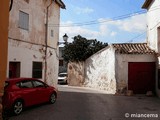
x=76, y=73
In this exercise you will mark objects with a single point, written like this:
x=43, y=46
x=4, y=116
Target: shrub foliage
x=81, y=49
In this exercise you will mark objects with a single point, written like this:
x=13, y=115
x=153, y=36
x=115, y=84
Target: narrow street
x=75, y=103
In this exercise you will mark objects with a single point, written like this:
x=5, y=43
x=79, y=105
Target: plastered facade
x=106, y=70
x=100, y=71
x=28, y=46
x=153, y=31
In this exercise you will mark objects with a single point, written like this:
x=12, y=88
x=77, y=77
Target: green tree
x=81, y=49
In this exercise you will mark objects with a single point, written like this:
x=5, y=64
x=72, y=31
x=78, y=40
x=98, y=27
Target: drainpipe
x=46, y=45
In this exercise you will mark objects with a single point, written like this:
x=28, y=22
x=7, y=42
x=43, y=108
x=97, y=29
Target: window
x=60, y=62
x=6, y=84
x=23, y=20
x=52, y=33
x=38, y=84
x=25, y=84
x=37, y=70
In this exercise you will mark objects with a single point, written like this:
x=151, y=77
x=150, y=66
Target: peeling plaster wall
x=75, y=73
x=26, y=46
x=122, y=61
x=54, y=20
x=100, y=71
x=52, y=69
x=36, y=11
x=22, y=53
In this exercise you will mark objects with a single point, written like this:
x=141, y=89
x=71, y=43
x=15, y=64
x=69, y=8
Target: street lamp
x=65, y=38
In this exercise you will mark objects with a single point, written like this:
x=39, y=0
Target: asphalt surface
x=75, y=103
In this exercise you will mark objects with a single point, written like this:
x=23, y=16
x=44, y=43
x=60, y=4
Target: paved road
x=86, y=104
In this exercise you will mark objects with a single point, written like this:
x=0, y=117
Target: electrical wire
x=99, y=21
x=139, y=35
x=104, y=21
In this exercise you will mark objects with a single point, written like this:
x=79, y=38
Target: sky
x=108, y=21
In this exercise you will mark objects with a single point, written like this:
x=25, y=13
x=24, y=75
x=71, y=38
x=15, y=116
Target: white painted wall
x=153, y=19
x=109, y=71
x=100, y=70
x=21, y=51
x=26, y=54
x=122, y=61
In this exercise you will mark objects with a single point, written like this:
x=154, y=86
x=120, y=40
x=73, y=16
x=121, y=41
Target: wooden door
x=141, y=77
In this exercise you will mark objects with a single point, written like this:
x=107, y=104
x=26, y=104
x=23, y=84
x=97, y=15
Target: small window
x=37, y=70
x=52, y=33
x=23, y=20
x=60, y=62
x=6, y=84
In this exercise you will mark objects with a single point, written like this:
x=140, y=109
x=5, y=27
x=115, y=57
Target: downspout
x=11, y=4
x=46, y=45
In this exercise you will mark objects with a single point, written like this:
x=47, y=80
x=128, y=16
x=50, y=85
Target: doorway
x=14, y=69
x=141, y=77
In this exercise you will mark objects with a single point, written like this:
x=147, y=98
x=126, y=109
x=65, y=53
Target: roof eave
x=146, y=4
x=61, y=4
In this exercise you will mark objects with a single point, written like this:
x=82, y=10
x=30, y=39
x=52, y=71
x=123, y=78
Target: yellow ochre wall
x=4, y=18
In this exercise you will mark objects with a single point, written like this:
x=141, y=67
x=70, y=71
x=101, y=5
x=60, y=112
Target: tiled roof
x=133, y=48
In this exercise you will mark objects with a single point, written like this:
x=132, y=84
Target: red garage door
x=141, y=77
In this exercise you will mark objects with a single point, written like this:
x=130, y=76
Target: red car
x=24, y=92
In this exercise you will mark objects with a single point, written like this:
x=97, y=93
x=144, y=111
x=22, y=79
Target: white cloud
x=113, y=33
x=135, y=24
x=86, y=10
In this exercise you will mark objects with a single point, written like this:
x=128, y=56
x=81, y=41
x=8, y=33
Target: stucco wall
x=153, y=19
x=100, y=70
x=26, y=46
x=122, y=61
x=75, y=73
x=153, y=35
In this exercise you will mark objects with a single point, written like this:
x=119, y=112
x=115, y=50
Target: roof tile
x=133, y=48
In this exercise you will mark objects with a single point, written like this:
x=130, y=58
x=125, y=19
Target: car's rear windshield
x=6, y=84
x=62, y=75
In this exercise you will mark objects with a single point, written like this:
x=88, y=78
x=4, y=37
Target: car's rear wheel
x=17, y=107
x=52, y=98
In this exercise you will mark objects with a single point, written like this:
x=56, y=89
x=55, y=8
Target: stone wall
x=75, y=73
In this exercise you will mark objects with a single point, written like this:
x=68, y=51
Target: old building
x=118, y=68
x=153, y=31
x=33, y=37
x=122, y=67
